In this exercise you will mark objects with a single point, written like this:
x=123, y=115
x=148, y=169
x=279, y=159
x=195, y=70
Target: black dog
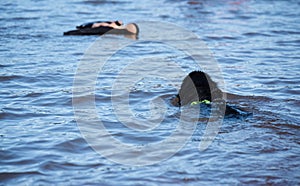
x=199, y=88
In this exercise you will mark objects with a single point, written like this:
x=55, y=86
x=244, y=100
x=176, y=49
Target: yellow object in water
x=199, y=102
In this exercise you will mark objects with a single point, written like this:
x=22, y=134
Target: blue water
x=255, y=43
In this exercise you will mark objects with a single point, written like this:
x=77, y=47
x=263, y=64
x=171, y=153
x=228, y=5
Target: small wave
x=222, y=38
x=72, y=146
x=254, y=34
x=288, y=126
x=285, y=32
x=22, y=18
x=6, y=176
x=57, y=165
x=289, y=43
x=4, y=66
x=29, y=35
x=9, y=77
x=96, y=2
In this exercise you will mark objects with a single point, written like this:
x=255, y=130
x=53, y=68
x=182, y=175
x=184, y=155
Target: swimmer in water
x=112, y=24
x=102, y=27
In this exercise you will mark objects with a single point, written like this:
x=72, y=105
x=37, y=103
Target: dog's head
x=197, y=86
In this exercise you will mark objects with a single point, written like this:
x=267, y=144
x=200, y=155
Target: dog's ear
x=188, y=91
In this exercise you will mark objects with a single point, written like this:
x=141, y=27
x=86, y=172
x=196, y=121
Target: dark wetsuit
x=86, y=29
x=90, y=24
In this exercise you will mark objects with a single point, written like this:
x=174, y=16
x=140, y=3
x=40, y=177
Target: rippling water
x=256, y=44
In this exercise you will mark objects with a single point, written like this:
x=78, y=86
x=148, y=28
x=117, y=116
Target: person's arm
x=95, y=25
x=112, y=24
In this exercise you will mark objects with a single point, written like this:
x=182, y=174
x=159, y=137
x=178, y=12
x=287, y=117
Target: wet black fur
x=198, y=86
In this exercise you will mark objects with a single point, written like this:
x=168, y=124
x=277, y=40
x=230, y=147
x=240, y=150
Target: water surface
x=256, y=44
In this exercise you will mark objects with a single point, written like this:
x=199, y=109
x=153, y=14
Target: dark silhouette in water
x=113, y=24
x=102, y=27
x=199, y=88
